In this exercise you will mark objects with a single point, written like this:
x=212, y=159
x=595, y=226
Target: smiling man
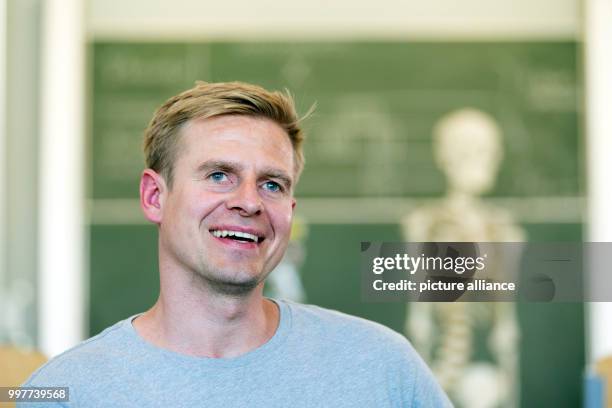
x=223, y=160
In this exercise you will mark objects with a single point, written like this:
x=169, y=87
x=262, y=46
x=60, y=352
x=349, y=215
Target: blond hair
x=207, y=100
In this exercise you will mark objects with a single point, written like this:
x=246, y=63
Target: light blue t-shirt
x=316, y=358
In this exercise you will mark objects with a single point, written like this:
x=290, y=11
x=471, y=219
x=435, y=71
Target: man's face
x=228, y=215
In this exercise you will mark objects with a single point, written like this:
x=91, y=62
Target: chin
x=235, y=285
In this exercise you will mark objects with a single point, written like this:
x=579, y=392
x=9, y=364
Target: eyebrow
x=219, y=165
x=235, y=167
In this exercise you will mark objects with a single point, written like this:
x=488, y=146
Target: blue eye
x=272, y=186
x=218, y=177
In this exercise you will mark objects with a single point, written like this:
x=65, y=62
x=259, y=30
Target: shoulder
x=81, y=361
x=350, y=342
x=337, y=327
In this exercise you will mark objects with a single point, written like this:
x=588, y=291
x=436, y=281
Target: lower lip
x=237, y=244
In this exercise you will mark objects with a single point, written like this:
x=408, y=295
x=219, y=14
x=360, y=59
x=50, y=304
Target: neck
x=193, y=319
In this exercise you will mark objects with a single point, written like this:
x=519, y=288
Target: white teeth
x=225, y=233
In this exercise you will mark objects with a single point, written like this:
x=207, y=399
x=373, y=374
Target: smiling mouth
x=237, y=236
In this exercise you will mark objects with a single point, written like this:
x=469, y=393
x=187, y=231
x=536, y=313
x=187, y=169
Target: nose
x=246, y=199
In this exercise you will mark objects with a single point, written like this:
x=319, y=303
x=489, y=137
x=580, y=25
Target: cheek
x=281, y=216
x=187, y=212
x=199, y=205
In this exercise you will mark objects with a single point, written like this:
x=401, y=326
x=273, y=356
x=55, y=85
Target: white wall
x=323, y=19
x=62, y=228
x=598, y=70
x=19, y=171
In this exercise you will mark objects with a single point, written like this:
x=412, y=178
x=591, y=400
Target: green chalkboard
x=377, y=104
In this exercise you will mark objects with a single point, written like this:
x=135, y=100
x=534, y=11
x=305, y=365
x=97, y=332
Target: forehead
x=252, y=139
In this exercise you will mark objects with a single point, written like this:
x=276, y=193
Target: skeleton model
x=471, y=347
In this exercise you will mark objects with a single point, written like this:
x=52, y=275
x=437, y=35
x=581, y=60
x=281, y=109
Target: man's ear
x=152, y=194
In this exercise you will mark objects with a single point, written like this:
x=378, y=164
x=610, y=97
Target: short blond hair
x=207, y=100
